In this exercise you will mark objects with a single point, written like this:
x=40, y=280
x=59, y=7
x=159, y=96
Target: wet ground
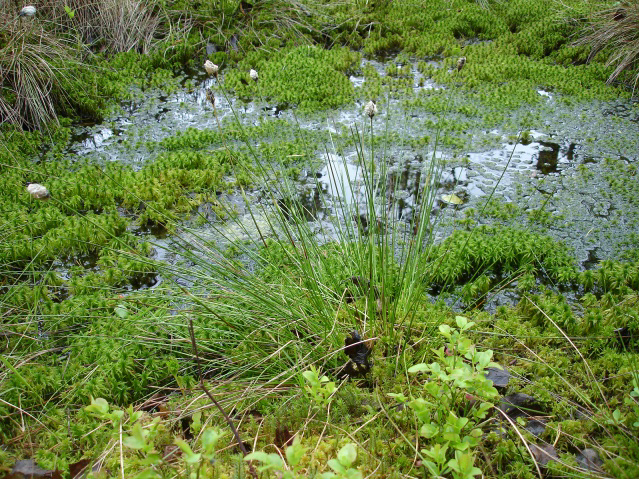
x=551, y=160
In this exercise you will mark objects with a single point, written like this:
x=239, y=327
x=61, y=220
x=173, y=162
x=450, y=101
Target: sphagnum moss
x=151, y=321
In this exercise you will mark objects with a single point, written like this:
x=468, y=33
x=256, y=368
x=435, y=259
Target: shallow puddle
x=542, y=169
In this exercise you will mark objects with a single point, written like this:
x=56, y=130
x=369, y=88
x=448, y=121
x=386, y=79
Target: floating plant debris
x=452, y=199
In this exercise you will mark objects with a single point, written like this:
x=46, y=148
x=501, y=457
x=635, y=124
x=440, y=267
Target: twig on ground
x=523, y=440
x=212, y=398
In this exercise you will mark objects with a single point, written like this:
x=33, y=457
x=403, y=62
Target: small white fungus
x=38, y=191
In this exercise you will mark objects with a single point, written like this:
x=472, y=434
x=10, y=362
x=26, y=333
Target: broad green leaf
x=311, y=377
x=269, y=461
x=295, y=452
x=419, y=368
x=483, y=409
x=71, y=14
x=196, y=424
x=461, y=321
x=347, y=455
x=399, y=396
x=445, y=330
x=329, y=388
x=352, y=474
x=98, y=406
x=117, y=415
x=463, y=465
x=429, y=430
x=432, y=467
x=432, y=388
x=437, y=453
x=189, y=456
x=137, y=438
x=463, y=324
x=452, y=199
x=616, y=415
x=258, y=456
x=209, y=440
x=121, y=311
x=150, y=459
x=464, y=344
x=454, y=439
x=457, y=422
x=483, y=359
x=336, y=466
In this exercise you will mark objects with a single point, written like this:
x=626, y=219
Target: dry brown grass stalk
x=616, y=31
x=34, y=66
x=38, y=53
x=111, y=25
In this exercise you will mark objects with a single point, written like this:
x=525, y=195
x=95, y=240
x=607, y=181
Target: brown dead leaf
x=589, y=460
x=543, y=454
x=172, y=453
x=79, y=469
x=282, y=436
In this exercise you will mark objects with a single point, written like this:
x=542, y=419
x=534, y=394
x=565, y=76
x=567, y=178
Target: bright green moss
x=498, y=249
x=309, y=78
x=98, y=207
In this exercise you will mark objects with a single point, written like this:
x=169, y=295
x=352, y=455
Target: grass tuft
x=110, y=25
x=615, y=31
x=35, y=67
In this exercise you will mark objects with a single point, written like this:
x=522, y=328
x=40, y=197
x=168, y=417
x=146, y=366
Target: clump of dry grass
x=282, y=18
x=112, y=25
x=615, y=30
x=34, y=66
x=126, y=25
x=38, y=53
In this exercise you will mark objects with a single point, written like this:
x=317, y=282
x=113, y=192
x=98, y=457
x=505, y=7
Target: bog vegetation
x=352, y=345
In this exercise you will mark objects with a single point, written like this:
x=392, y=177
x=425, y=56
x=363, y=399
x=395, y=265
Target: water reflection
x=470, y=176
x=342, y=179
x=547, y=157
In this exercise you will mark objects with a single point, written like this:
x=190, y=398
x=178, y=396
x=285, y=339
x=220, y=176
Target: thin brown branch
x=214, y=401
